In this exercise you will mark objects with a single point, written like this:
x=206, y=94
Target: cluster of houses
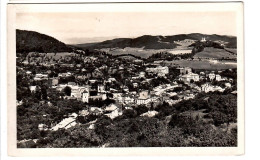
x=88, y=92
x=159, y=70
x=186, y=75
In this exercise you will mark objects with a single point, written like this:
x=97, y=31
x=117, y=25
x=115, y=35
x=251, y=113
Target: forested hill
x=158, y=42
x=30, y=41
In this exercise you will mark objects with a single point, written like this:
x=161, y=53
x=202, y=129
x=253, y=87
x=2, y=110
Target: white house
x=142, y=75
x=228, y=85
x=191, y=76
x=203, y=39
x=28, y=72
x=144, y=98
x=210, y=88
x=211, y=76
x=218, y=77
x=135, y=85
x=159, y=70
x=149, y=114
x=32, y=88
x=85, y=96
x=113, y=110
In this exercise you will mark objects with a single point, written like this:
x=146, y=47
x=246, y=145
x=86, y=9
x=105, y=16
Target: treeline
x=169, y=56
x=199, y=46
x=30, y=41
x=117, y=56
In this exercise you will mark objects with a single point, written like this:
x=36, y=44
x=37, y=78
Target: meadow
x=203, y=64
x=210, y=52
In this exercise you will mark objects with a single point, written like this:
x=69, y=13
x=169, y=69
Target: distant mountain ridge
x=158, y=42
x=30, y=41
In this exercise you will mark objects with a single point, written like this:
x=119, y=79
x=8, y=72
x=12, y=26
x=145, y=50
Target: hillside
x=30, y=41
x=158, y=42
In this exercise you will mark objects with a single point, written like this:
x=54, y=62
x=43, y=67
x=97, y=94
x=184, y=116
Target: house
x=134, y=78
x=158, y=70
x=85, y=96
x=157, y=63
x=138, y=61
x=111, y=108
x=78, y=65
x=32, y=88
x=126, y=99
x=98, y=97
x=125, y=89
x=188, y=77
x=113, y=111
x=218, y=77
x=39, y=75
x=188, y=96
x=202, y=73
x=203, y=39
x=135, y=85
x=101, y=88
x=42, y=127
x=66, y=123
x=185, y=70
x=228, y=85
x=117, y=95
x=144, y=98
x=110, y=80
x=142, y=75
x=77, y=92
x=64, y=74
x=234, y=92
x=84, y=112
x=92, y=109
x=211, y=76
x=28, y=72
x=90, y=59
x=210, y=88
x=149, y=114
x=121, y=68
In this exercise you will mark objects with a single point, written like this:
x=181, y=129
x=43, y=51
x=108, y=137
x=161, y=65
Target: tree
x=67, y=90
x=141, y=109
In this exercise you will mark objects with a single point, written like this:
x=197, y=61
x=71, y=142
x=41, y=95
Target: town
x=107, y=85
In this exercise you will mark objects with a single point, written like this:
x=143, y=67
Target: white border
x=165, y=151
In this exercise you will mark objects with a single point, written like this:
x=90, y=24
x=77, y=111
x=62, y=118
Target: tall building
x=85, y=96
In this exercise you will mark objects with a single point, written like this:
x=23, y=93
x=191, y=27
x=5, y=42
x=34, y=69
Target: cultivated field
x=233, y=50
x=204, y=64
x=210, y=52
x=143, y=53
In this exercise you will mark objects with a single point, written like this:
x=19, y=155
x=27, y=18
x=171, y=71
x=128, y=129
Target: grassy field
x=204, y=64
x=143, y=53
x=210, y=52
x=233, y=50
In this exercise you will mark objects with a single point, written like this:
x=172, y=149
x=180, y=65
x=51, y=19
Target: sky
x=86, y=27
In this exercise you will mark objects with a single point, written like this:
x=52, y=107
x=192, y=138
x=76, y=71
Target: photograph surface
x=126, y=79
